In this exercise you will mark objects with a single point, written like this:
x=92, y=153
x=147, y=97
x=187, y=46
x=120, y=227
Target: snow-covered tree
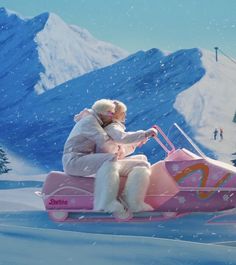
x=3, y=162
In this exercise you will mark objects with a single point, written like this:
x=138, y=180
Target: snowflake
x=181, y=200
x=226, y=197
x=175, y=167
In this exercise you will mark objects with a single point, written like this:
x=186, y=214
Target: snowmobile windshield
x=181, y=140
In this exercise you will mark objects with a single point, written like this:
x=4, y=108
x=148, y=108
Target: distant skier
x=221, y=134
x=215, y=133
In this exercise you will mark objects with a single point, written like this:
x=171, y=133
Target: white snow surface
x=68, y=51
x=24, y=245
x=211, y=103
x=22, y=200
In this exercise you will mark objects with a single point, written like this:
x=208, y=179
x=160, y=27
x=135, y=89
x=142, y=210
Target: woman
x=135, y=168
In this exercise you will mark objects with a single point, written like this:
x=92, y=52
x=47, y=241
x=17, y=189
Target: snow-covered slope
x=211, y=103
x=43, y=52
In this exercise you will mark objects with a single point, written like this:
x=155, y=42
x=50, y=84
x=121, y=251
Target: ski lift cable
x=232, y=60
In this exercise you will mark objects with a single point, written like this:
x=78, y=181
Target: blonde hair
x=104, y=105
x=120, y=106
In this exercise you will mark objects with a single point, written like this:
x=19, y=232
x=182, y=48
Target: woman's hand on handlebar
x=151, y=132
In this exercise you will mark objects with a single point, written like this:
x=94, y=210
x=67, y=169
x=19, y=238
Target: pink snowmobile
x=186, y=181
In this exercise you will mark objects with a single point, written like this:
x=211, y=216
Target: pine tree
x=3, y=162
x=234, y=162
x=234, y=120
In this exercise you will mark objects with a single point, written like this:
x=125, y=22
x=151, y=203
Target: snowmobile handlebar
x=171, y=148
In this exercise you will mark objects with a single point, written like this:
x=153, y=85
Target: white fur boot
x=136, y=188
x=106, y=188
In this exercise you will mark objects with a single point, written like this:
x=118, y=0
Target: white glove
x=151, y=132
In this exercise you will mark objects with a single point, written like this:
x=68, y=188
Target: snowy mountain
x=43, y=52
x=187, y=87
x=148, y=82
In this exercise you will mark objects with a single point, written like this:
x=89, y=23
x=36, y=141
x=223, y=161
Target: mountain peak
x=56, y=51
x=6, y=14
x=54, y=19
x=5, y=11
x=68, y=51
